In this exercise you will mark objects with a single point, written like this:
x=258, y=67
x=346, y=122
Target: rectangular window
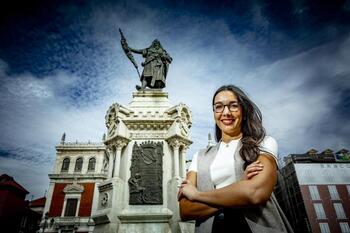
x=333, y=192
x=71, y=207
x=314, y=193
x=344, y=226
x=339, y=210
x=319, y=211
x=324, y=228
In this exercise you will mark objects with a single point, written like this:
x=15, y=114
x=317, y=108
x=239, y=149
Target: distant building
x=15, y=215
x=314, y=191
x=210, y=141
x=38, y=205
x=70, y=198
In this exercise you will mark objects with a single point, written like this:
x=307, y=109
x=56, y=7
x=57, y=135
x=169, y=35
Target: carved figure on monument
x=145, y=183
x=135, y=188
x=105, y=162
x=156, y=63
x=112, y=120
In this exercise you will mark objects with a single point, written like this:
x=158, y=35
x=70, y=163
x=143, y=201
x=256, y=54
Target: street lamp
x=46, y=217
x=52, y=221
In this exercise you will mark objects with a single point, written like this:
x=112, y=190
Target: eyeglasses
x=232, y=107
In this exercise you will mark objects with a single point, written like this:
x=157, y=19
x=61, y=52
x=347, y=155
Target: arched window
x=78, y=165
x=92, y=163
x=65, y=165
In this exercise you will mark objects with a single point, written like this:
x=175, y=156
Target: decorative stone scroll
x=145, y=183
x=112, y=119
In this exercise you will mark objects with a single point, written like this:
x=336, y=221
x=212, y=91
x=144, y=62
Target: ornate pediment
x=73, y=188
x=312, y=152
x=183, y=118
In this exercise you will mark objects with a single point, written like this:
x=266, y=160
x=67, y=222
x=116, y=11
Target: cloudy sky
x=61, y=67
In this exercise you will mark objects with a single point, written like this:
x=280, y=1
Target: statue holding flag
x=156, y=63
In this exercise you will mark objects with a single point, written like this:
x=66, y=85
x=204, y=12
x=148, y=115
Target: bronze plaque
x=145, y=183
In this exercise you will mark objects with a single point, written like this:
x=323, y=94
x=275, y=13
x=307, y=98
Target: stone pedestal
x=147, y=142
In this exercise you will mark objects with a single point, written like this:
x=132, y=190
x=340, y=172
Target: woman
x=226, y=189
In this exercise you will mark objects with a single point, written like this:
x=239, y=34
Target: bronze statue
x=156, y=63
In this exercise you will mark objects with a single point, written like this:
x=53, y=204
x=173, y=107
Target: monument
x=156, y=63
x=146, y=143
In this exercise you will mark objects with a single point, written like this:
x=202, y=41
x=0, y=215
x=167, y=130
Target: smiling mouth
x=227, y=121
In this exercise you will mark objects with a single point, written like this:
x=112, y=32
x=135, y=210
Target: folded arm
x=196, y=210
x=254, y=191
x=190, y=210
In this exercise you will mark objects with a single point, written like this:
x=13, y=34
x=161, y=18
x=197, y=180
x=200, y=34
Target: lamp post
x=46, y=217
x=52, y=221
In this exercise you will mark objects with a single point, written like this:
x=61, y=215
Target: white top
x=222, y=168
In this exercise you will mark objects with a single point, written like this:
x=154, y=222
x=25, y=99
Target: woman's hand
x=188, y=190
x=252, y=170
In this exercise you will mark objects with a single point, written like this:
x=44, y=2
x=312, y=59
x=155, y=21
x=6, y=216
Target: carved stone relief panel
x=104, y=199
x=145, y=183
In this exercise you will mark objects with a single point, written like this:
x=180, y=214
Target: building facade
x=16, y=214
x=314, y=191
x=77, y=170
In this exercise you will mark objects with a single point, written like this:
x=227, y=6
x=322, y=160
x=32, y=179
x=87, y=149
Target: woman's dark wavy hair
x=252, y=130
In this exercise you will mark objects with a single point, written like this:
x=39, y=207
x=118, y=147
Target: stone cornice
x=150, y=135
x=148, y=124
x=79, y=176
x=150, y=217
x=76, y=146
x=150, y=93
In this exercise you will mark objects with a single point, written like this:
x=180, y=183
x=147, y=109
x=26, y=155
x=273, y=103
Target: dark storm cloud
x=54, y=37
x=333, y=75
x=276, y=28
x=33, y=154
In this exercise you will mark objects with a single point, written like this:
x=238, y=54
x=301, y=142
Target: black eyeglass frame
x=229, y=105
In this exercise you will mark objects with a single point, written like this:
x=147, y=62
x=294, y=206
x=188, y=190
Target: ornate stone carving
x=185, y=119
x=175, y=144
x=121, y=142
x=73, y=188
x=153, y=135
x=148, y=125
x=104, y=199
x=145, y=183
x=177, y=141
x=112, y=119
x=182, y=116
x=118, y=142
x=105, y=163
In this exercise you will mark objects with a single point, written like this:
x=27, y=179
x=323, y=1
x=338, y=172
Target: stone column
x=118, y=152
x=175, y=144
x=183, y=162
x=110, y=162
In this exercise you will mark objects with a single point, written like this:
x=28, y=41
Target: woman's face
x=230, y=119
